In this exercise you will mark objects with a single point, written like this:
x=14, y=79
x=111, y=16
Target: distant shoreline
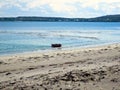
x=107, y=18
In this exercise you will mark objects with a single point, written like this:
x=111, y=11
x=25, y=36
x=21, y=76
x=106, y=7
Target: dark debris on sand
x=69, y=81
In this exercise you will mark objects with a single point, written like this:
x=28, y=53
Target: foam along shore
x=93, y=68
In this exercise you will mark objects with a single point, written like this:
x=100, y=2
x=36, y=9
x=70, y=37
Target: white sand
x=92, y=68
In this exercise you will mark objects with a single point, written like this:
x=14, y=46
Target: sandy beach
x=91, y=68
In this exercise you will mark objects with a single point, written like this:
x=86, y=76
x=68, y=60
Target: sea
x=19, y=37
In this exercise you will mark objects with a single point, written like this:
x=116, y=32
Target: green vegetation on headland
x=107, y=18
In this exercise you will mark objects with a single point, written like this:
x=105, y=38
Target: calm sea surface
x=17, y=37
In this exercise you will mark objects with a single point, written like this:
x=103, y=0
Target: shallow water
x=17, y=37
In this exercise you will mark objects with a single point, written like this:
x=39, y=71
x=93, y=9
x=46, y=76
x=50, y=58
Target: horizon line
x=57, y=16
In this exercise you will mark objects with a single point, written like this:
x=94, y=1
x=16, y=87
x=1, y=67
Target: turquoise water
x=17, y=37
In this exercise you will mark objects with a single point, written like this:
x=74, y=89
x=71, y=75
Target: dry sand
x=94, y=68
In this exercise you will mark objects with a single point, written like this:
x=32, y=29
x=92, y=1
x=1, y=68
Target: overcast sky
x=59, y=8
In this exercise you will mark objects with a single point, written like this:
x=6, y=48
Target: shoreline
x=58, y=50
x=89, y=68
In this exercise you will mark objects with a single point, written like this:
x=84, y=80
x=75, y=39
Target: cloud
x=56, y=6
x=67, y=7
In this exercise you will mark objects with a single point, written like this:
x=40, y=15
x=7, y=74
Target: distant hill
x=107, y=18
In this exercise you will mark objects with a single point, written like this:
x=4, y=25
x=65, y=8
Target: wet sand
x=93, y=68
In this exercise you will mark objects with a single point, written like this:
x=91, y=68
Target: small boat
x=56, y=45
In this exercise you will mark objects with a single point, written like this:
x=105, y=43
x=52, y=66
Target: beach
x=88, y=68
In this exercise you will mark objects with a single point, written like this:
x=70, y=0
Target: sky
x=59, y=8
